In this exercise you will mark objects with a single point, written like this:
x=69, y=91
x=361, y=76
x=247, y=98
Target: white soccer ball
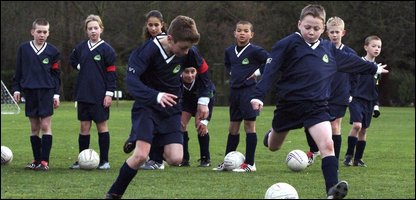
x=233, y=160
x=6, y=155
x=281, y=191
x=297, y=160
x=88, y=159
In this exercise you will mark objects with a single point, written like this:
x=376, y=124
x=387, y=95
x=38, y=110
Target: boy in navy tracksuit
x=154, y=26
x=189, y=101
x=364, y=103
x=95, y=60
x=307, y=65
x=340, y=91
x=189, y=109
x=38, y=77
x=244, y=61
x=153, y=78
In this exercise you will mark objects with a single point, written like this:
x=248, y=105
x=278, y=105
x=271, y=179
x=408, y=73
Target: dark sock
x=156, y=151
x=104, y=143
x=251, y=143
x=360, y=150
x=185, y=145
x=36, y=147
x=158, y=154
x=204, y=146
x=337, y=144
x=46, y=147
x=83, y=142
x=312, y=145
x=352, y=141
x=232, y=143
x=123, y=180
x=330, y=171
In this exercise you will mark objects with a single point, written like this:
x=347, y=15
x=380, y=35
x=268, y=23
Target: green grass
x=390, y=156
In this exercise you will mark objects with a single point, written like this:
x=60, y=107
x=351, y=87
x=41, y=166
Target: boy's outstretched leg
x=129, y=145
x=338, y=191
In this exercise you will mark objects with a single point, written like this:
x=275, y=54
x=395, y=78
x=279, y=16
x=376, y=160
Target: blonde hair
x=91, y=18
x=314, y=10
x=335, y=21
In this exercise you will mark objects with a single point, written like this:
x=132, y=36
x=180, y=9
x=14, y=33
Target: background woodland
x=393, y=22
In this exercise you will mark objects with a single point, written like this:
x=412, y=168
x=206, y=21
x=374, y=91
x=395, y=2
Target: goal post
x=8, y=104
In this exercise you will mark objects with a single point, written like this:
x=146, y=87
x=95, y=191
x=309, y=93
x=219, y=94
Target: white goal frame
x=8, y=104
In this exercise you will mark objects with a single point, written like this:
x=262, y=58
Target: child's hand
x=167, y=99
x=201, y=127
x=256, y=104
x=381, y=69
x=56, y=102
x=376, y=112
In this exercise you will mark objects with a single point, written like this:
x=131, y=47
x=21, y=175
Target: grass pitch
x=389, y=154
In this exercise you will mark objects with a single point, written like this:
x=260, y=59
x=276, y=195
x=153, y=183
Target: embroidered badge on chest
x=45, y=61
x=245, y=61
x=176, y=69
x=325, y=58
x=97, y=57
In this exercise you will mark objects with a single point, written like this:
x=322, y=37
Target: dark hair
x=183, y=28
x=243, y=22
x=40, y=21
x=314, y=10
x=153, y=13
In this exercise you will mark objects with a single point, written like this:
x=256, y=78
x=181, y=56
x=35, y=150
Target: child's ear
x=170, y=38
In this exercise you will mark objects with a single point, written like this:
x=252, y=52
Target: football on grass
x=88, y=159
x=281, y=191
x=297, y=160
x=6, y=155
x=233, y=160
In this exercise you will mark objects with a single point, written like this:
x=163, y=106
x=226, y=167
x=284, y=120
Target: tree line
x=392, y=21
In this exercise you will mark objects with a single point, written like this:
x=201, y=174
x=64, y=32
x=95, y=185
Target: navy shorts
x=192, y=107
x=361, y=111
x=240, y=106
x=337, y=111
x=95, y=112
x=39, y=102
x=294, y=115
x=146, y=124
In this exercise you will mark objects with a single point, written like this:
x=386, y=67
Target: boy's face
x=243, y=34
x=311, y=28
x=188, y=75
x=94, y=31
x=179, y=48
x=335, y=34
x=40, y=33
x=154, y=26
x=373, y=48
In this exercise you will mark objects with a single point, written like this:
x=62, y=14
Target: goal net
x=8, y=104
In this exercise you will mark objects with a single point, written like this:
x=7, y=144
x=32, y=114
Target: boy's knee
x=174, y=161
x=274, y=148
x=327, y=148
x=356, y=127
x=138, y=158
